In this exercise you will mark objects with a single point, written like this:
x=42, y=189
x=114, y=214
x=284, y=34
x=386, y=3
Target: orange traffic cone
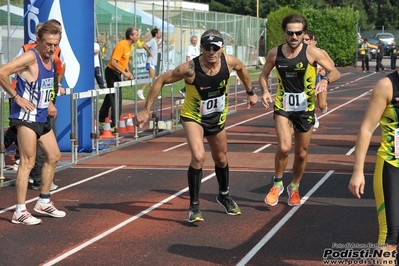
x=129, y=124
x=122, y=125
x=107, y=134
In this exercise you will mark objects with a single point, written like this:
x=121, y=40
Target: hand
x=61, y=90
x=356, y=185
x=141, y=118
x=266, y=97
x=52, y=110
x=129, y=75
x=251, y=100
x=24, y=104
x=321, y=86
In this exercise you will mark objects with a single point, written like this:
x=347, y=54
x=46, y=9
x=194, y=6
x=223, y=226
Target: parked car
x=372, y=53
x=387, y=38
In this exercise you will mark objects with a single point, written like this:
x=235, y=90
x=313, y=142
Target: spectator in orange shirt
x=118, y=66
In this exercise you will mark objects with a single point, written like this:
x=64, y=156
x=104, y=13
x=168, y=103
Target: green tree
x=219, y=7
x=372, y=13
x=302, y=4
x=387, y=15
x=12, y=2
x=267, y=6
x=335, y=29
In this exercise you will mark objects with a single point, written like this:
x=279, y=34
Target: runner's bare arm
x=264, y=77
x=179, y=73
x=380, y=98
x=20, y=65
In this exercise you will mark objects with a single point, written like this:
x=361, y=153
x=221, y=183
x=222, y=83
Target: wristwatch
x=326, y=78
x=251, y=92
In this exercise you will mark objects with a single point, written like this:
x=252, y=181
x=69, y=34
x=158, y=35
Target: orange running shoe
x=293, y=196
x=272, y=197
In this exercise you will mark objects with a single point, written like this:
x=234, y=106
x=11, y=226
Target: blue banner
x=77, y=19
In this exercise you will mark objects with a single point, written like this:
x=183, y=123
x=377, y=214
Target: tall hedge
x=335, y=29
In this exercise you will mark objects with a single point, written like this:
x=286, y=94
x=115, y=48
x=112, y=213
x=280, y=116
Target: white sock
x=19, y=208
x=46, y=200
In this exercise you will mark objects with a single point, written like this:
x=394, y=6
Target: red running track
x=129, y=207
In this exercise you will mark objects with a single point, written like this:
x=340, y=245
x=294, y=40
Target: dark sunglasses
x=214, y=48
x=291, y=33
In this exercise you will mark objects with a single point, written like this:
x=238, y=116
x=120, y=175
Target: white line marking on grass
x=280, y=224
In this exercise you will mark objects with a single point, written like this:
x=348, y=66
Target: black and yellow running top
x=295, y=76
x=363, y=48
x=389, y=125
x=206, y=99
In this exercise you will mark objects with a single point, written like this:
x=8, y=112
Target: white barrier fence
x=94, y=96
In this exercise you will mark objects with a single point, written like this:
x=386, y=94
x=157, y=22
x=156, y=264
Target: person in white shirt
x=152, y=49
x=192, y=52
x=97, y=72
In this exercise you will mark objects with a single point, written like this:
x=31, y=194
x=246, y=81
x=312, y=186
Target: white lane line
x=120, y=225
x=66, y=187
x=234, y=125
x=262, y=148
x=185, y=143
x=342, y=105
x=280, y=224
x=352, y=150
x=175, y=147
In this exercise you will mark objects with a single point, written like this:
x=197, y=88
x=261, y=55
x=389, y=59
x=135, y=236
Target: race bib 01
x=213, y=105
x=293, y=102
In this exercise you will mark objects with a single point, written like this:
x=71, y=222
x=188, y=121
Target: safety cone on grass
x=107, y=133
x=122, y=125
x=129, y=124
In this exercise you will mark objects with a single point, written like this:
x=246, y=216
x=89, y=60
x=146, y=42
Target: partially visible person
x=393, y=54
x=192, y=52
x=141, y=41
x=382, y=109
x=59, y=66
x=204, y=114
x=310, y=39
x=363, y=50
x=97, y=69
x=28, y=117
x=262, y=51
x=152, y=58
x=116, y=68
x=10, y=135
x=105, y=53
x=380, y=56
x=294, y=105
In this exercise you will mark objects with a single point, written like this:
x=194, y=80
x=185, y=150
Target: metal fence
x=241, y=33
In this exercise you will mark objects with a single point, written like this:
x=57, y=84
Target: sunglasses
x=214, y=48
x=291, y=33
x=306, y=39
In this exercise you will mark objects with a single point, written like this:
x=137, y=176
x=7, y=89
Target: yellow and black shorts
x=386, y=191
